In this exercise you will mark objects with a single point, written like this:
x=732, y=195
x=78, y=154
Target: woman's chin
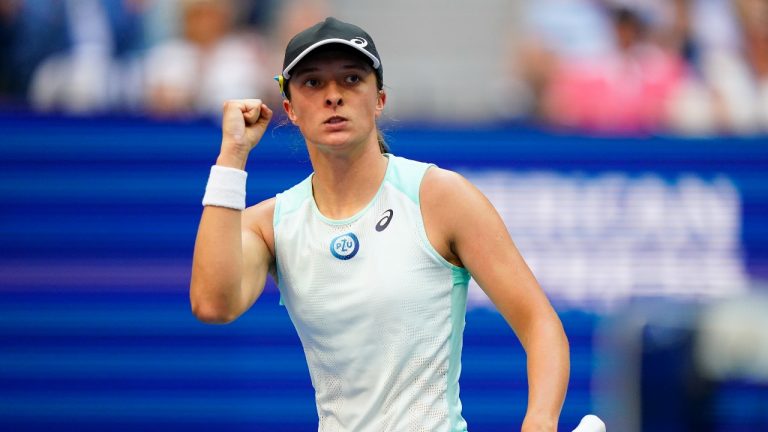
x=338, y=142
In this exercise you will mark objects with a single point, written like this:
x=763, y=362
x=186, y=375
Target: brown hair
x=383, y=146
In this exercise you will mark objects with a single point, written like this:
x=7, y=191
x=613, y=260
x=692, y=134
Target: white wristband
x=225, y=188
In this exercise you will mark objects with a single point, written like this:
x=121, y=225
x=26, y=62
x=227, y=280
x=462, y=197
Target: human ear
x=381, y=100
x=289, y=111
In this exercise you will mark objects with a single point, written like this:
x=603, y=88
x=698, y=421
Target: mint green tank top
x=379, y=312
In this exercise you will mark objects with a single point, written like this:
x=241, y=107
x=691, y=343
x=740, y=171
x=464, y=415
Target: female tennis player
x=372, y=253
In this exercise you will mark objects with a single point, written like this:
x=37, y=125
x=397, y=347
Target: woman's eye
x=352, y=79
x=311, y=82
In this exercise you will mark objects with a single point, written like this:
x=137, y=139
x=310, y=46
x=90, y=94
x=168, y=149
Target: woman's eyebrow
x=355, y=66
x=305, y=70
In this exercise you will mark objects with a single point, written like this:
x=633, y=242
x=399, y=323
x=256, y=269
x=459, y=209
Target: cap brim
x=309, y=49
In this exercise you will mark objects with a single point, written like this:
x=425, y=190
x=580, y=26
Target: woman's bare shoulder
x=441, y=187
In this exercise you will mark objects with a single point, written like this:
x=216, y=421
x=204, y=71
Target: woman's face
x=335, y=101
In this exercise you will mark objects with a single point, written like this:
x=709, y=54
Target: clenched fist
x=242, y=126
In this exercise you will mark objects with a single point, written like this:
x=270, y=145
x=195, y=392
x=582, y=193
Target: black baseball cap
x=330, y=31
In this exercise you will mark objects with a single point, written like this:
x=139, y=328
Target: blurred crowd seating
x=690, y=67
x=167, y=58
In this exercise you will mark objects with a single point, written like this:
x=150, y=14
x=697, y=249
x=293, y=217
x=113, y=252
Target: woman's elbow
x=212, y=314
x=209, y=309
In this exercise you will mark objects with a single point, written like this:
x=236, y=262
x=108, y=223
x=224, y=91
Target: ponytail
x=383, y=146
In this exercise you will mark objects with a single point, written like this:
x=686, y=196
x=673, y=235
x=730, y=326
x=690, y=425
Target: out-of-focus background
x=625, y=143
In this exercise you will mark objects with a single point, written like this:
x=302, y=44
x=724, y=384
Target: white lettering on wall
x=603, y=239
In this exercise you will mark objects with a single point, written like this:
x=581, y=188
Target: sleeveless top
x=379, y=312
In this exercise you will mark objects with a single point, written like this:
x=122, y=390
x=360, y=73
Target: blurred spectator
x=556, y=31
x=208, y=64
x=257, y=14
x=85, y=76
x=622, y=91
x=739, y=76
x=293, y=17
x=729, y=91
x=689, y=66
x=30, y=31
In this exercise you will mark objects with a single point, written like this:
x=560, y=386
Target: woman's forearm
x=547, y=349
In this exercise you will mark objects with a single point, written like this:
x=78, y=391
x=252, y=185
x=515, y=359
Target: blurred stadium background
x=624, y=142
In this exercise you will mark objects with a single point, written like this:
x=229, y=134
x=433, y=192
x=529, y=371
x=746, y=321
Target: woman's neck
x=343, y=184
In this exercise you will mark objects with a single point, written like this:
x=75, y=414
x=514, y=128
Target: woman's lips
x=335, y=123
x=335, y=120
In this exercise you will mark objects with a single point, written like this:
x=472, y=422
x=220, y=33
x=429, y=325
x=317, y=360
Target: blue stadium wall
x=97, y=228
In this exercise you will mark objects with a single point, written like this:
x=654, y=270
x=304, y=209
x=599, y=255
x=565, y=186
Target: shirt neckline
x=359, y=214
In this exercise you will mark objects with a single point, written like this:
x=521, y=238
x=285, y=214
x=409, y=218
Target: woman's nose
x=333, y=97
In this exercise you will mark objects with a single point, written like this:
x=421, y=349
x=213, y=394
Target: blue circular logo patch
x=345, y=246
